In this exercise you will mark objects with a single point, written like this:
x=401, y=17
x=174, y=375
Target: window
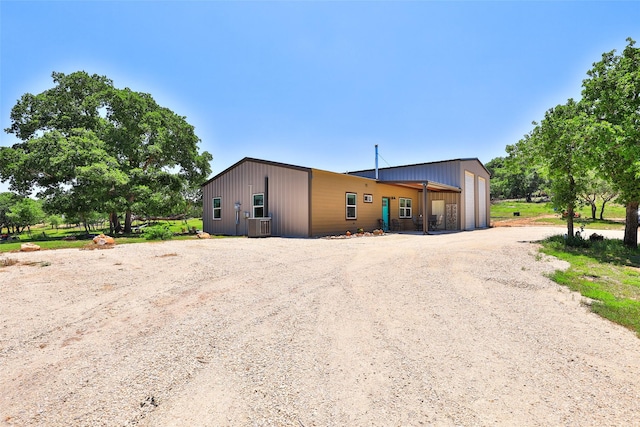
x=368, y=198
x=351, y=205
x=405, y=208
x=258, y=205
x=217, y=208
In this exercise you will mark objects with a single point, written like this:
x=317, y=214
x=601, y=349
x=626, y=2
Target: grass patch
x=614, y=214
x=588, y=223
x=43, y=232
x=505, y=209
x=606, y=272
x=48, y=238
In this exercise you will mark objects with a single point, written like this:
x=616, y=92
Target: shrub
x=159, y=232
x=578, y=242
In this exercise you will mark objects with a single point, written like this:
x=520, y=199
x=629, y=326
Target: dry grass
x=7, y=262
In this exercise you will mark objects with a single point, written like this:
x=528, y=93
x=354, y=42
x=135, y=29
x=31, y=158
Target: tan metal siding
x=288, y=202
x=449, y=199
x=328, y=203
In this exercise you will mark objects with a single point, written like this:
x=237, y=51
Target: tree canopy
x=559, y=145
x=593, y=145
x=612, y=94
x=512, y=178
x=17, y=213
x=88, y=146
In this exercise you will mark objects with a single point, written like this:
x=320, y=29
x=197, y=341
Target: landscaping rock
x=102, y=240
x=29, y=247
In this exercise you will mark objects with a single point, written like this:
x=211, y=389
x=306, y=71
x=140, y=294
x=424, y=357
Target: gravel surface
x=397, y=330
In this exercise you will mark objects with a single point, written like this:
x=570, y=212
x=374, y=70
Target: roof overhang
x=419, y=185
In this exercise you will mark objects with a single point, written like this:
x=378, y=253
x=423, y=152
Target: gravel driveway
x=394, y=330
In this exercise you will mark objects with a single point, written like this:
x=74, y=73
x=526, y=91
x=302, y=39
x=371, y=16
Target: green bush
x=159, y=232
x=578, y=242
x=559, y=241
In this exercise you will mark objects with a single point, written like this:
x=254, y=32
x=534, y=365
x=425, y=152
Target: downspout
x=266, y=196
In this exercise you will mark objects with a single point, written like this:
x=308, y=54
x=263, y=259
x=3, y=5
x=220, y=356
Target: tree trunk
x=594, y=208
x=114, y=223
x=604, y=202
x=127, y=221
x=631, y=226
x=570, y=221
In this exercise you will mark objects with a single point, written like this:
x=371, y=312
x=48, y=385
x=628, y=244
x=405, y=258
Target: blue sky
x=319, y=83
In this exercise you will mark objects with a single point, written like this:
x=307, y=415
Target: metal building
x=469, y=177
x=262, y=198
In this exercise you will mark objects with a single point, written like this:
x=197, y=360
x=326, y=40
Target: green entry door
x=385, y=214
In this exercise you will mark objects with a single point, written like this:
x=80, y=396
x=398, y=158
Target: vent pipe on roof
x=376, y=161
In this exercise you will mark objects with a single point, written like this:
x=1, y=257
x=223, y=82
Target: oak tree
x=89, y=146
x=612, y=93
x=558, y=144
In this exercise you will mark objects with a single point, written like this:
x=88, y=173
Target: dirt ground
x=456, y=329
x=517, y=221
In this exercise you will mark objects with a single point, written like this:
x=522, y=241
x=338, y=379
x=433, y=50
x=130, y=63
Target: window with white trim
x=405, y=208
x=351, y=212
x=217, y=207
x=258, y=205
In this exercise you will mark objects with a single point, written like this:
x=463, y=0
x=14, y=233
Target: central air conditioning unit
x=259, y=227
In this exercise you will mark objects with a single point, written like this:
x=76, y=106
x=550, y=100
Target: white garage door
x=469, y=201
x=482, y=202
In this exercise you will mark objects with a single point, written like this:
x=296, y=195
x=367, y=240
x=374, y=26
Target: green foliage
x=7, y=201
x=512, y=178
x=591, y=149
x=606, y=272
x=558, y=144
x=612, y=94
x=158, y=232
x=597, y=190
x=90, y=147
x=47, y=238
x=577, y=242
x=27, y=212
x=18, y=213
x=55, y=221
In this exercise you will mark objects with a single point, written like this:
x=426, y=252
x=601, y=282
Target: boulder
x=29, y=247
x=102, y=240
